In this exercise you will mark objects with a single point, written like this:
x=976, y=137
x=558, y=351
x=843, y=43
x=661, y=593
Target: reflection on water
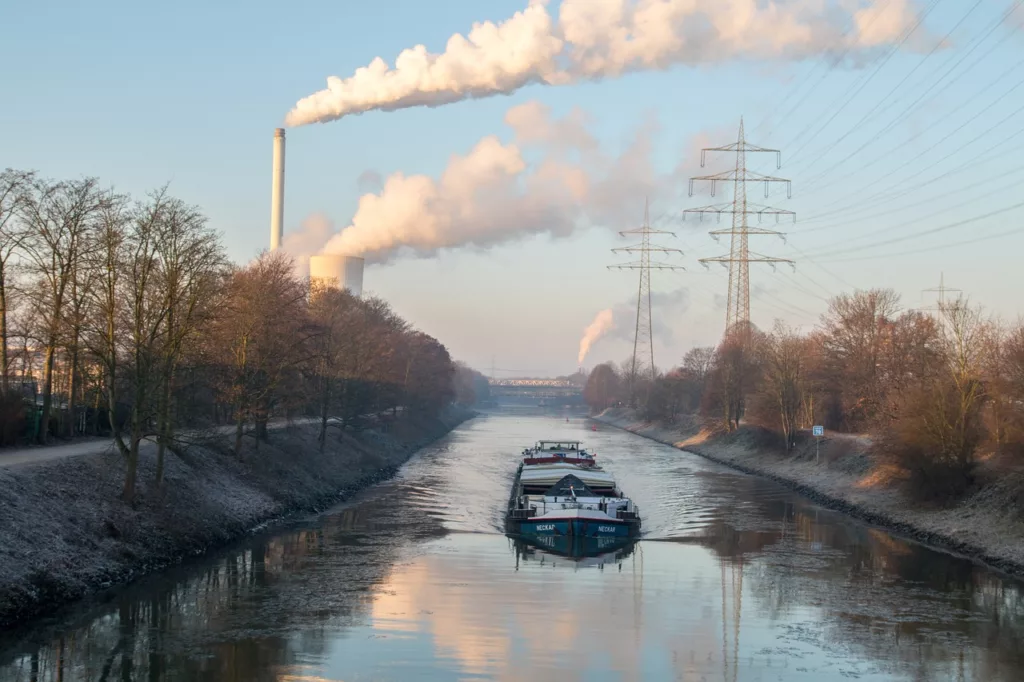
x=735, y=579
x=581, y=550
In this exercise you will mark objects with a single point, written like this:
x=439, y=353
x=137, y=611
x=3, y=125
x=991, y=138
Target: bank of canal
x=736, y=578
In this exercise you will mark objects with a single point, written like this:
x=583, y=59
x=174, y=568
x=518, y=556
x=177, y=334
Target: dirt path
x=94, y=446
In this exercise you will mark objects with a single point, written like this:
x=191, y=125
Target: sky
x=904, y=156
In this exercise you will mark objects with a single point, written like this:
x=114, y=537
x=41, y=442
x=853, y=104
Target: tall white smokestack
x=277, y=192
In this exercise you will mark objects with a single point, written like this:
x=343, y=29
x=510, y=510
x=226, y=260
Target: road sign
x=819, y=430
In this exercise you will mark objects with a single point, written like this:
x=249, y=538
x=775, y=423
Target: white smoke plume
x=619, y=322
x=315, y=231
x=492, y=194
x=595, y=39
x=602, y=324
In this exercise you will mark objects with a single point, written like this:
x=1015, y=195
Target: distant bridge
x=544, y=389
x=532, y=383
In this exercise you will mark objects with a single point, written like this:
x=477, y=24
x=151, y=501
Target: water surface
x=735, y=579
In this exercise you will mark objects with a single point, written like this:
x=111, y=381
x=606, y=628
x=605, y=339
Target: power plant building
x=337, y=271
x=325, y=270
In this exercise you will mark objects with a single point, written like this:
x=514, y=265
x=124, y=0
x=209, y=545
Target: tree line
x=124, y=317
x=937, y=392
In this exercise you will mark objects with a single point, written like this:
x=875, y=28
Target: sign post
x=818, y=432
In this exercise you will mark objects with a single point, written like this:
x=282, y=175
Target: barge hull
x=587, y=528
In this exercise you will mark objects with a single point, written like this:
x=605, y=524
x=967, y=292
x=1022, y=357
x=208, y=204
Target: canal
x=735, y=579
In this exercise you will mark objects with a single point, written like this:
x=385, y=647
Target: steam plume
x=600, y=39
x=601, y=325
x=308, y=240
x=492, y=195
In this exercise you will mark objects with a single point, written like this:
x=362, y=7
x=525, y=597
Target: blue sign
x=819, y=430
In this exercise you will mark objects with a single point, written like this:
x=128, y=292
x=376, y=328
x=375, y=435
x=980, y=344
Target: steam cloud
x=492, y=194
x=593, y=40
x=667, y=306
x=601, y=325
x=316, y=230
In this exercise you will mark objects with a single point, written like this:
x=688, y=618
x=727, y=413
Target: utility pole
x=643, y=342
x=740, y=257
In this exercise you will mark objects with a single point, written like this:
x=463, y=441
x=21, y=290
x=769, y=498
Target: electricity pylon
x=740, y=257
x=940, y=308
x=941, y=290
x=643, y=343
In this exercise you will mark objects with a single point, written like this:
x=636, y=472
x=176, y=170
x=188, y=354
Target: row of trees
x=125, y=317
x=935, y=390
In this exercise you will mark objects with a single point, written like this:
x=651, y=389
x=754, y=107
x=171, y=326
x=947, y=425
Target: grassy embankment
x=985, y=525
x=65, y=533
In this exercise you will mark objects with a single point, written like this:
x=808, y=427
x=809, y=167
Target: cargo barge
x=559, y=490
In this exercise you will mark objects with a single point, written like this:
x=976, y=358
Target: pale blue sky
x=190, y=92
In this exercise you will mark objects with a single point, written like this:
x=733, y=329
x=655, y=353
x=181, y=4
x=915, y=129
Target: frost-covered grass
x=986, y=525
x=65, y=533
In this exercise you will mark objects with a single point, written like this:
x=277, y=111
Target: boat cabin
x=558, y=446
x=554, y=451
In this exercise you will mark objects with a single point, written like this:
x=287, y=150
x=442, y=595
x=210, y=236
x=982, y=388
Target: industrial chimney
x=277, y=192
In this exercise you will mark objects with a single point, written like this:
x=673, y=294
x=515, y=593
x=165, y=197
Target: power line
x=895, y=89
x=822, y=268
x=939, y=247
x=889, y=195
x=932, y=200
x=813, y=182
x=906, y=36
x=934, y=230
x=835, y=62
x=906, y=163
x=802, y=288
x=920, y=219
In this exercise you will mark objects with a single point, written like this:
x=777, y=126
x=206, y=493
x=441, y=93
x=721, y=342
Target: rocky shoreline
x=66, y=535
x=986, y=527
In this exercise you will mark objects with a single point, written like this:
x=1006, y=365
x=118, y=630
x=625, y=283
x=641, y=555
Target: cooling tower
x=277, y=192
x=338, y=271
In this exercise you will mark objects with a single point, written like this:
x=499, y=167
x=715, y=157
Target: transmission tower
x=643, y=343
x=740, y=257
x=941, y=290
x=940, y=308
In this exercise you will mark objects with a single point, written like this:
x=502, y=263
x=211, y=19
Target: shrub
x=935, y=438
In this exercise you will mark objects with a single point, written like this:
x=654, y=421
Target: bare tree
x=735, y=375
x=699, y=362
x=58, y=217
x=939, y=428
x=109, y=257
x=192, y=265
x=1006, y=370
x=856, y=330
x=144, y=321
x=130, y=337
x=698, y=365
x=75, y=321
x=782, y=362
x=963, y=336
x=262, y=332
x=13, y=185
x=327, y=307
